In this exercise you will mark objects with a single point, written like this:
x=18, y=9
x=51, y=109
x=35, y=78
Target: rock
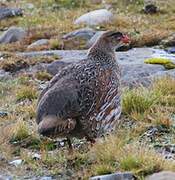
x=13, y=34
x=16, y=162
x=134, y=70
x=171, y=50
x=95, y=17
x=164, y=175
x=6, y=12
x=4, y=75
x=3, y=114
x=150, y=9
x=46, y=178
x=169, y=41
x=85, y=33
x=56, y=66
x=94, y=38
x=29, y=6
x=36, y=156
x=115, y=176
x=78, y=39
x=5, y=177
x=39, y=43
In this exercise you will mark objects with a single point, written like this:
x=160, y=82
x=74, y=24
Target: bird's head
x=114, y=40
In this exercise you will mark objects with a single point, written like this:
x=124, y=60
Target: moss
x=157, y=61
x=167, y=63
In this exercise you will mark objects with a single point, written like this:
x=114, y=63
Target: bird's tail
x=52, y=126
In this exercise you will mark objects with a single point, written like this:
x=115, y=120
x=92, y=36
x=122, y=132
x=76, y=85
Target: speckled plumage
x=83, y=99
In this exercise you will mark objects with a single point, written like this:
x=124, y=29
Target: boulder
x=13, y=34
x=164, y=175
x=134, y=70
x=78, y=39
x=150, y=9
x=6, y=12
x=5, y=177
x=115, y=176
x=96, y=17
x=84, y=33
x=39, y=43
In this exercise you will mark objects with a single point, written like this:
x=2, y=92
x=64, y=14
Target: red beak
x=125, y=39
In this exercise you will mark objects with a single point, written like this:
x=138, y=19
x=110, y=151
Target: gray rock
x=5, y=177
x=29, y=6
x=134, y=70
x=6, y=12
x=4, y=75
x=36, y=156
x=150, y=9
x=39, y=43
x=115, y=176
x=16, y=162
x=46, y=178
x=85, y=33
x=13, y=34
x=95, y=17
x=94, y=38
x=164, y=175
x=3, y=114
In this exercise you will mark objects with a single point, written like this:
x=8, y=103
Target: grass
x=26, y=92
x=143, y=108
x=125, y=150
x=139, y=100
x=13, y=63
x=43, y=76
x=20, y=131
x=144, y=29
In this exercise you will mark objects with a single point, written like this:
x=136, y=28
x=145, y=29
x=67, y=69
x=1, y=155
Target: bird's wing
x=61, y=100
x=56, y=78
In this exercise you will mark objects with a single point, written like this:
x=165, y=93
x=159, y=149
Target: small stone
x=150, y=9
x=36, y=156
x=96, y=17
x=46, y=178
x=6, y=12
x=39, y=43
x=16, y=162
x=171, y=50
x=13, y=34
x=85, y=33
x=164, y=175
x=29, y=6
x=5, y=177
x=3, y=114
x=115, y=176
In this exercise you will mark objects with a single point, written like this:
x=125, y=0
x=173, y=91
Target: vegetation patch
x=43, y=76
x=168, y=64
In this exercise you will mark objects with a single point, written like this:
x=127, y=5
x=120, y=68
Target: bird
x=83, y=100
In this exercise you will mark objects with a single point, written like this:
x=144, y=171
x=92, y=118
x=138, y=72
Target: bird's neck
x=102, y=53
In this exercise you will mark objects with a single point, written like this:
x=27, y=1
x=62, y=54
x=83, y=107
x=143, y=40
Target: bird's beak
x=125, y=39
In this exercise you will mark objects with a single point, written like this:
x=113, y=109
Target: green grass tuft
x=139, y=100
